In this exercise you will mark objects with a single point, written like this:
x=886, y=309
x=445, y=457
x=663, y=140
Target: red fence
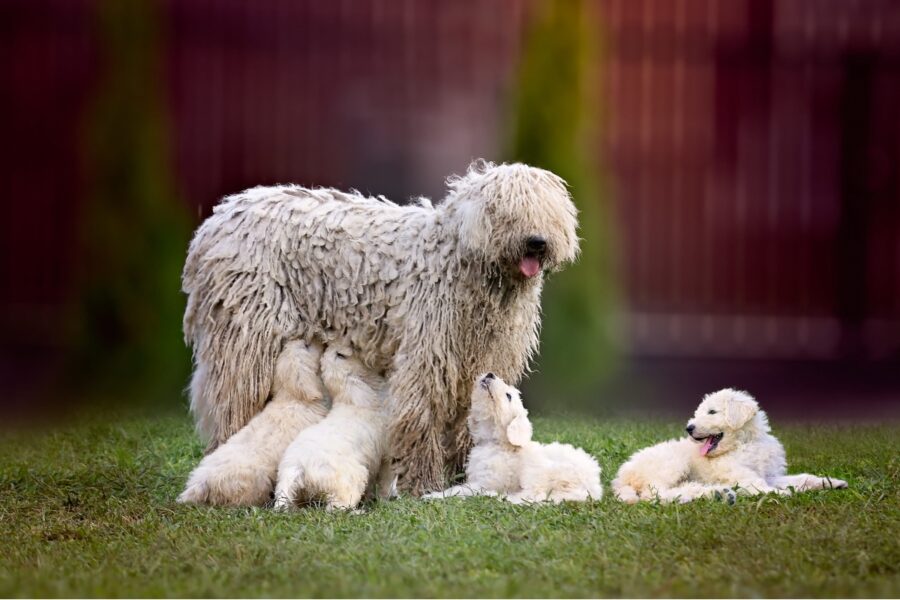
x=755, y=151
x=753, y=146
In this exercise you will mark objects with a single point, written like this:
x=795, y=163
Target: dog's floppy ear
x=518, y=432
x=740, y=408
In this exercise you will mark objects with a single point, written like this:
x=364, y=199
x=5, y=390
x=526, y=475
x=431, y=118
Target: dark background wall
x=750, y=150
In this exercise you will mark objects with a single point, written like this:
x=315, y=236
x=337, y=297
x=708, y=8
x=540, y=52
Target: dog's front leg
x=689, y=492
x=418, y=420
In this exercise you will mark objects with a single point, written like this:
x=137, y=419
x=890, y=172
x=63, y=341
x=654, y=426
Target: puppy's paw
x=727, y=495
x=627, y=495
x=837, y=484
x=196, y=492
x=229, y=483
x=282, y=503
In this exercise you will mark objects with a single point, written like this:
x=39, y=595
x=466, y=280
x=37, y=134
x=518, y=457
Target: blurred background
x=736, y=164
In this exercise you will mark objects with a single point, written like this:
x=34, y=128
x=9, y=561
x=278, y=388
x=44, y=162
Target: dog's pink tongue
x=529, y=266
x=707, y=444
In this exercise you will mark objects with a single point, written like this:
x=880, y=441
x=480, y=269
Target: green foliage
x=553, y=127
x=127, y=317
x=90, y=511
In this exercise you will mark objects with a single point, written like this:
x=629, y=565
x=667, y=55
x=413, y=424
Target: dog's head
x=341, y=370
x=497, y=414
x=723, y=420
x=516, y=218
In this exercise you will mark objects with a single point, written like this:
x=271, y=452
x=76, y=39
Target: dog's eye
x=711, y=412
x=339, y=355
x=508, y=396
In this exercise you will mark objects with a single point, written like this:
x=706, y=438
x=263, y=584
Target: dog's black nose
x=689, y=429
x=536, y=244
x=489, y=376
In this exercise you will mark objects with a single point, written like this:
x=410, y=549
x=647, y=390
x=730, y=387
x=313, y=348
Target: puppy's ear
x=518, y=432
x=740, y=408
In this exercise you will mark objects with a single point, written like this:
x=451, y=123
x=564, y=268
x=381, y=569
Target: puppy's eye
x=711, y=412
x=339, y=355
x=508, y=396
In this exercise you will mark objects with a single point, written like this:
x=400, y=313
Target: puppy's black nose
x=689, y=429
x=536, y=245
x=489, y=376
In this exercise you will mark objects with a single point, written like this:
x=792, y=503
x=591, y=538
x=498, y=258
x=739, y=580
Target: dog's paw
x=837, y=484
x=195, y=493
x=433, y=496
x=628, y=498
x=228, y=484
x=282, y=503
x=727, y=495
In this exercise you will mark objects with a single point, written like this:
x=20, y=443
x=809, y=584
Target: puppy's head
x=341, y=370
x=497, y=414
x=721, y=419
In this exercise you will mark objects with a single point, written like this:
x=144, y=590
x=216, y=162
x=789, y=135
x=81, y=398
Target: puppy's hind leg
x=286, y=490
x=463, y=490
x=242, y=471
x=804, y=482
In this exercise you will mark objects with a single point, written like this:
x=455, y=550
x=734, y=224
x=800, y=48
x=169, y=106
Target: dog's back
x=560, y=472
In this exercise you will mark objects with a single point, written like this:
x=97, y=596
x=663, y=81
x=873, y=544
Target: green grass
x=89, y=511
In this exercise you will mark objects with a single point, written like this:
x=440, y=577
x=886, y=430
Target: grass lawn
x=89, y=511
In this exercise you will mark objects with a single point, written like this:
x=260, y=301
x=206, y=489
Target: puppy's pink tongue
x=707, y=444
x=529, y=266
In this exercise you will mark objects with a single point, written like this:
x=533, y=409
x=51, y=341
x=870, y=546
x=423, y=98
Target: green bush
x=127, y=313
x=554, y=127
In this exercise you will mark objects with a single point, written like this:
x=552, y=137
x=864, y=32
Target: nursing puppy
x=504, y=461
x=729, y=445
x=242, y=471
x=341, y=458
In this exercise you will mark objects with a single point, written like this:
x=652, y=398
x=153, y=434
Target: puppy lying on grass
x=728, y=446
x=342, y=457
x=505, y=462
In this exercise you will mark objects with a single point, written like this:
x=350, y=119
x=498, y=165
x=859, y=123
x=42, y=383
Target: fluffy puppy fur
x=342, y=457
x=426, y=294
x=505, y=461
x=729, y=445
x=242, y=471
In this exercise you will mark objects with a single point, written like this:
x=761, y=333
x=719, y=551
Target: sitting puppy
x=728, y=445
x=505, y=461
x=339, y=459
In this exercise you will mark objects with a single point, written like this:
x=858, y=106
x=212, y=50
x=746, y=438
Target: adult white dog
x=729, y=445
x=428, y=295
x=344, y=456
x=505, y=461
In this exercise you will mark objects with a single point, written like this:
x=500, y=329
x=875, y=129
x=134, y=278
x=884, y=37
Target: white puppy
x=505, y=461
x=728, y=445
x=242, y=471
x=343, y=456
